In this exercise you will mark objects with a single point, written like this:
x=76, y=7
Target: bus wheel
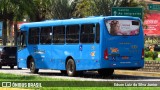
x=12, y=67
x=106, y=72
x=32, y=67
x=0, y=67
x=71, y=68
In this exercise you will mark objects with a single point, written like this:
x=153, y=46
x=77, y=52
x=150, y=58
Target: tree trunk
x=15, y=33
x=4, y=31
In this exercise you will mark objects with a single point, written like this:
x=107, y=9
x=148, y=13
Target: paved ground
x=138, y=73
x=119, y=75
x=91, y=76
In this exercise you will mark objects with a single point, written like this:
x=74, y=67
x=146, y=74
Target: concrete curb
x=138, y=73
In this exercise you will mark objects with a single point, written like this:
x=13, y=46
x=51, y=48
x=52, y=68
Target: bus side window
x=33, y=36
x=59, y=34
x=72, y=34
x=46, y=35
x=87, y=33
x=18, y=38
x=21, y=39
x=97, y=33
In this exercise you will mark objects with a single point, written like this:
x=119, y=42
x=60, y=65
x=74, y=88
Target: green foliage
x=155, y=55
x=63, y=9
x=147, y=54
x=38, y=10
x=103, y=7
x=150, y=54
x=146, y=49
x=13, y=77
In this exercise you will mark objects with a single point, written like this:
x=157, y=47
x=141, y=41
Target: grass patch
x=54, y=82
x=149, y=59
x=104, y=88
x=13, y=77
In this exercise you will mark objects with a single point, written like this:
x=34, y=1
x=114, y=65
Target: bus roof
x=91, y=19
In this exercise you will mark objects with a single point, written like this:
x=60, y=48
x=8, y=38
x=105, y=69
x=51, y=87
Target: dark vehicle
x=156, y=47
x=8, y=56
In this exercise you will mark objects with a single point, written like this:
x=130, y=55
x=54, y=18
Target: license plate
x=11, y=56
x=125, y=57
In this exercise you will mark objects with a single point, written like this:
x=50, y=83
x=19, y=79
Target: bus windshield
x=123, y=27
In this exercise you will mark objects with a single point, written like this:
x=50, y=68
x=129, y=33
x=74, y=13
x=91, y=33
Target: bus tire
x=0, y=67
x=71, y=68
x=32, y=67
x=106, y=72
x=11, y=67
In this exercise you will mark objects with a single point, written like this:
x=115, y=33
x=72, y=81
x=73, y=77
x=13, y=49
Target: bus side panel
x=59, y=55
x=85, y=59
x=50, y=57
x=22, y=58
x=56, y=57
x=38, y=55
x=89, y=58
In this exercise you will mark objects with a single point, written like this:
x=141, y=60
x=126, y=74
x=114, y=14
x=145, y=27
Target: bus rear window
x=122, y=27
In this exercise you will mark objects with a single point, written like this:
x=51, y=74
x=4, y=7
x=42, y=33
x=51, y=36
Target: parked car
x=8, y=56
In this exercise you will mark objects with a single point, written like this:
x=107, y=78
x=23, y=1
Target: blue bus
x=72, y=46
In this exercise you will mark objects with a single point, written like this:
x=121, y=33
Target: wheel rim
x=32, y=66
x=70, y=67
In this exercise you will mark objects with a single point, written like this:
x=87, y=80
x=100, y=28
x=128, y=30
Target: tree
x=38, y=10
x=11, y=10
x=63, y=9
x=103, y=7
x=6, y=14
x=51, y=9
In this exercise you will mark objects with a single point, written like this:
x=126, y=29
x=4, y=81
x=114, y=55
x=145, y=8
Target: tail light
x=142, y=53
x=106, y=54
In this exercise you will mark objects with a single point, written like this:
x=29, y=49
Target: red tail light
x=106, y=54
x=142, y=53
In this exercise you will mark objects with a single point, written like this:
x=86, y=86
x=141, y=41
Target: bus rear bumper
x=124, y=65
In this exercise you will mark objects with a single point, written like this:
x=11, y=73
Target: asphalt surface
x=119, y=75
